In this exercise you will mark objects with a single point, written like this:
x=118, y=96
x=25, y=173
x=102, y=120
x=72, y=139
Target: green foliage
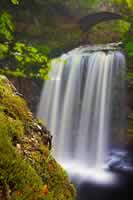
x=29, y=171
x=126, y=3
x=125, y=7
x=130, y=76
x=109, y=31
x=128, y=43
x=19, y=59
x=4, y=91
x=22, y=60
x=14, y=171
x=15, y=2
x=29, y=61
x=6, y=27
x=56, y=177
x=14, y=107
x=3, y=50
x=26, y=60
x=129, y=48
x=16, y=127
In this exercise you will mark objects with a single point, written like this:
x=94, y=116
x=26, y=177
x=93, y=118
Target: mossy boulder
x=27, y=169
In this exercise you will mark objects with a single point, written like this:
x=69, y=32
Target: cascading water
x=82, y=106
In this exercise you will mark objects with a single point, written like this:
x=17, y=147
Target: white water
x=83, y=104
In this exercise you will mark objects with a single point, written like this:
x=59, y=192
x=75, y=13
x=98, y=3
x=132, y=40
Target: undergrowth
x=27, y=168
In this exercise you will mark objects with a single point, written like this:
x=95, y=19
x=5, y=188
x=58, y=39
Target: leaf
x=3, y=50
x=6, y=26
x=15, y=2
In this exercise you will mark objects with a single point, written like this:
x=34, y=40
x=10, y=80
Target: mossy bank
x=27, y=169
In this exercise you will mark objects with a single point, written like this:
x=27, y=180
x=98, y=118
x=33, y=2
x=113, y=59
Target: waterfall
x=82, y=105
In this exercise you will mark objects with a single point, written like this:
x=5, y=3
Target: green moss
x=14, y=171
x=26, y=165
x=106, y=32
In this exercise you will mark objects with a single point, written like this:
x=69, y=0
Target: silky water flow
x=82, y=105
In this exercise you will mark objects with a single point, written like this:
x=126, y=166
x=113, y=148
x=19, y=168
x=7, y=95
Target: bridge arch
x=87, y=22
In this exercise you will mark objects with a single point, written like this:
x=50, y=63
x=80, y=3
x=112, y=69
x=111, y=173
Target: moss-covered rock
x=27, y=169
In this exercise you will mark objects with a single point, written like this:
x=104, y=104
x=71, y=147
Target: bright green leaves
x=30, y=60
x=25, y=61
x=3, y=50
x=15, y=2
x=128, y=3
x=129, y=48
x=6, y=27
x=123, y=26
x=126, y=9
x=128, y=43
